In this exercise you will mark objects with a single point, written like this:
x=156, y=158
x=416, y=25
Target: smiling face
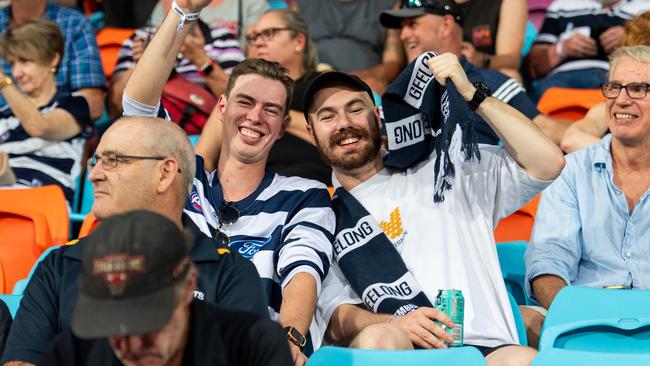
x=345, y=125
x=282, y=46
x=629, y=119
x=32, y=77
x=254, y=118
x=421, y=34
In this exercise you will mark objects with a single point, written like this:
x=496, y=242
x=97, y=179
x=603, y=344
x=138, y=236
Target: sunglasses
x=228, y=215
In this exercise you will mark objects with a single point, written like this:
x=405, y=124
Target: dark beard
x=357, y=159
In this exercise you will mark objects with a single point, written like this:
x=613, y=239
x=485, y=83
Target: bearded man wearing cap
x=136, y=306
x=436, y=25
x=416, y=226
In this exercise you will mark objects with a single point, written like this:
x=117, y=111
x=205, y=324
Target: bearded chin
x=357, y=160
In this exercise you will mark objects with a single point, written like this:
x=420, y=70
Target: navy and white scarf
x=419, y=115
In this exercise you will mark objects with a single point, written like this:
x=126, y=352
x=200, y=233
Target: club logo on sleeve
x=195, y=200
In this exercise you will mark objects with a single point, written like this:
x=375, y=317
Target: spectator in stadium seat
x=136, y=306
x=593, y=126
x=208, y=55
x=572, y=46
x=592, y=223
x=42, y=129
x=438, y=243
x=493, y=33
x=140, y=163
x=349, y=38
x=80, y=70
x=436, y=26
x=284, y=225
x=282, y=36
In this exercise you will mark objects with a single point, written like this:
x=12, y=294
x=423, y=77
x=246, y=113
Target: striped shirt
x=285, y=227
x=81, y=66
x=504, y=88
x=589, y=18
x=220, y=45
x=36, y=161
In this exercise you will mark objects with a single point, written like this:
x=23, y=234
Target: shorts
x=487, y=350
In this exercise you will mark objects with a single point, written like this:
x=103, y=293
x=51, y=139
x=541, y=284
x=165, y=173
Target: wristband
x=185, y=18
x=558, y=49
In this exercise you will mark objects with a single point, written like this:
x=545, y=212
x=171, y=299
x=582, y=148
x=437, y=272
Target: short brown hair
x=268, y=69
x=36, y=40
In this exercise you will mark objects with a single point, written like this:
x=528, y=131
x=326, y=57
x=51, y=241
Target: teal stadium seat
x=340, y=356
x=565, y=357
x=12, y=301
x=598, y=320
x=513, y=267
x=519, y=321
x=194, y=139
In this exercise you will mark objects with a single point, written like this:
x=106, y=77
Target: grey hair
x=168, y=139
x=638, y=53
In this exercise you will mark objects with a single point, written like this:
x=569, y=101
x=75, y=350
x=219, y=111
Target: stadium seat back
x=19, y=287
x=340, y=356
x=90, y=223
x=564, y=357
x=513, y=267
x=110, y=41
x=596, y=319
x=519, y=225
x=23, y=236
x=12, y=301
x=519, y=321
x=567, y=103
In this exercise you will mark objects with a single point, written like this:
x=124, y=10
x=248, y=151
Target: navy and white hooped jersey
x=36, y=161
x=285, y=227
x=589, y=18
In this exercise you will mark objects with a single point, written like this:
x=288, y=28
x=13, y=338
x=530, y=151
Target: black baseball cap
x=332, y=78
x=416, y=8
x=130, y=266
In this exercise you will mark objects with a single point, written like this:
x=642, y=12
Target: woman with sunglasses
x=593, y=126
x=281, y=35
x=42, y=132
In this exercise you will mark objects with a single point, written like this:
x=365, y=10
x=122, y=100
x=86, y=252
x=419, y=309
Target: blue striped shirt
x=36, y=161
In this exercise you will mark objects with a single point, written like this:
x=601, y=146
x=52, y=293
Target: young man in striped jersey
x=284, y=225
x=436, y=26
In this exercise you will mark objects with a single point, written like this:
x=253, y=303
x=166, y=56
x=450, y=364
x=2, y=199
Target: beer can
x=452, y=303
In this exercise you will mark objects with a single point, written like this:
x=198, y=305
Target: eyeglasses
x=110, y=160
x=634, y=90
x=267, y=35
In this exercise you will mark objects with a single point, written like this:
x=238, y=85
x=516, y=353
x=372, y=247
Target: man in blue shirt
x=436, y=26
x=592, y=224
x=80, y=71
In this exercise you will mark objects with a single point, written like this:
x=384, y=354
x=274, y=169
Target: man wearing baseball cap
x=436, y=25
x=405, y=231
x=136, y=306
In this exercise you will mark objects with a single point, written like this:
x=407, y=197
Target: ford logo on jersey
x=195, y=200
x=248, y=247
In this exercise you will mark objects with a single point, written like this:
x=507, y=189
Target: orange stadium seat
x=24, y=234
x=90, y=223
x=110, y=41
x=519, y=225
x=569, y=104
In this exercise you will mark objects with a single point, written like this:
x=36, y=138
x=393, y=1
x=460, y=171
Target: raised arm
x=527, y=145
x=510, y=37
x=152, y=71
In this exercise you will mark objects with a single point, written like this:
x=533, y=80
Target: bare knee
x=511, y=356
x=382, y=336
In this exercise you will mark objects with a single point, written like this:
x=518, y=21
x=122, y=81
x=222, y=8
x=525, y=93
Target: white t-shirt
x=448, y=245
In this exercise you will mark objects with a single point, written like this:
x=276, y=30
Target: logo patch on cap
x=115, y=270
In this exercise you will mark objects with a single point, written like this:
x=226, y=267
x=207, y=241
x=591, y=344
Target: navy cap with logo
x=131, y=264
x=329, y=78
x=416, y=8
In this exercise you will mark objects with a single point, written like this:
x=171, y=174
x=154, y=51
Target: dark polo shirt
x=217, y=337
x=224, y=278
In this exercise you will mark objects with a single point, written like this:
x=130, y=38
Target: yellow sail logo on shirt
x=392, y=228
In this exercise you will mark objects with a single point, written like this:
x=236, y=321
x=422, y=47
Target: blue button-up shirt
x=584, y=232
